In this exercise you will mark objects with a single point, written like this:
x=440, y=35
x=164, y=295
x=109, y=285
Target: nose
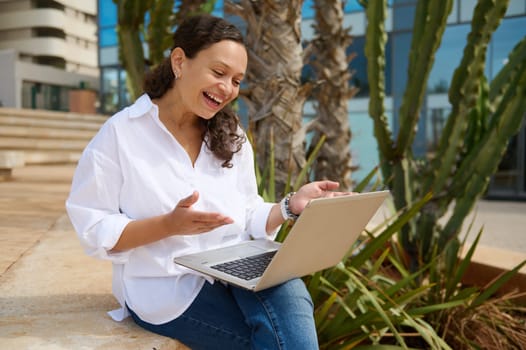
x=226, y=87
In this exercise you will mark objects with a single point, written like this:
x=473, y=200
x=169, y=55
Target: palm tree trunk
x=332, y=95
x=275, y=96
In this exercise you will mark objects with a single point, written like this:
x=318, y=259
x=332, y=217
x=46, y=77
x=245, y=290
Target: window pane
x=110, y=90
x=400, y=52
x=124, y=98
x=107, y=13
x=448, y=58
x=109, y=56
x=453, y=16
x=352, y=6
x=108, y=37
x=358, y=66
x=516, y=7
x=403, y=17
x=509, y=33
x=467, y=7
x=507, y=176
x=363, y=147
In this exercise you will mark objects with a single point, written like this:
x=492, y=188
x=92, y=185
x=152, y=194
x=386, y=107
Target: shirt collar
x=142, y=106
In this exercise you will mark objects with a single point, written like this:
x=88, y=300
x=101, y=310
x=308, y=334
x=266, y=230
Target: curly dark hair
x=195, y=34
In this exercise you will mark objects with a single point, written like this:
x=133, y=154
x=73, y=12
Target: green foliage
x=483, y=118
x=159, y=30
x=130, y=27
x=356, y=302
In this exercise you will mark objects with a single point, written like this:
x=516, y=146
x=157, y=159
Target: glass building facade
x=510, y=180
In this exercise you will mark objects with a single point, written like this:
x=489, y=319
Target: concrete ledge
x=46, y=137
x=52, y=157
x=51, y=115
x=55, y=297
x=49, y=123
x=45, y=132
x=41, y=144
x=489, y=263
x=8, y=161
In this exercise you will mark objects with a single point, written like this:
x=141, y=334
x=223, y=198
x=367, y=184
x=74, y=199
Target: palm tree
x=331, y=64
x=275, y=95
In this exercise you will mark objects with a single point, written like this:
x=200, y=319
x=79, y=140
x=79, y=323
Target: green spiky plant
x=356, y=304
x=483, y=118
x=372, y=301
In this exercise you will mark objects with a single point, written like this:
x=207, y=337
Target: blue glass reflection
x=509, y=33
x=307, y=11
x=448, y=57
x=403, y=17
x=107, y=13
x=358, y=66
x=108, y=37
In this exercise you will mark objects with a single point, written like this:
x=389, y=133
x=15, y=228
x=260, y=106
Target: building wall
x=55, y=44
x=8, y=86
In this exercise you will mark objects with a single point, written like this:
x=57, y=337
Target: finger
x=328, y=185
x=211, y=218
x=189, y=201
x=206, y=227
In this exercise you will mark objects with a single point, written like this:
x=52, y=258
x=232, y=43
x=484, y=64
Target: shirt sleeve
x=257, y=209
x=93, y=205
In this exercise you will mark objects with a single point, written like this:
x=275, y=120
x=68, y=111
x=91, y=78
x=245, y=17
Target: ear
x=177, y=58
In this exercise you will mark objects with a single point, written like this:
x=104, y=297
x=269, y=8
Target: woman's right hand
x=183, y=220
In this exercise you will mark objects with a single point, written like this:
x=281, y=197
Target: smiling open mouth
x=212, y=99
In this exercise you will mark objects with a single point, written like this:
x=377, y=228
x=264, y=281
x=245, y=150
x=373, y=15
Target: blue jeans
x=228, y=317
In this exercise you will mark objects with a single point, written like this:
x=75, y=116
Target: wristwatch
x=285, y=207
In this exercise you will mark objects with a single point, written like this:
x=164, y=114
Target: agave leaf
x=360, y=187
x=323, y=312
x=465, y=294
x=380, y=347
x=303, y=173
x=377, y=243
x=423, y=310
x=454, y=279
x=378, y=263
x=375, y=302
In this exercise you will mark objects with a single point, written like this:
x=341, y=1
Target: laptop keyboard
x=246, y=268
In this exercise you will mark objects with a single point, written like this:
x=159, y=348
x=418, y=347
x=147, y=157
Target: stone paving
x=52, y=296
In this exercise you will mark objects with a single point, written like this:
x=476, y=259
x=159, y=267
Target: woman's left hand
x=312, y=190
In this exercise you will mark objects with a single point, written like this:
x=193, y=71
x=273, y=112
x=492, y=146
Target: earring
x=176, y=76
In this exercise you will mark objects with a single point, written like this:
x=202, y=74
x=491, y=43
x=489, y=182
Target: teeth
x=213, y=98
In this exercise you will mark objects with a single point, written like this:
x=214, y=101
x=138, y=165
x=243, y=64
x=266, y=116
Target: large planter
x=488, y=263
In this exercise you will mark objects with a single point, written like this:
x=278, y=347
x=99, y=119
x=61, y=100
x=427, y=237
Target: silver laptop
x=320, y=238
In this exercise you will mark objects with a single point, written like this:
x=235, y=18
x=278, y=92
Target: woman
x=174, y=174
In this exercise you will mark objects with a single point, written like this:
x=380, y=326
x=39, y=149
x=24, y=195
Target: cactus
x=483, y=118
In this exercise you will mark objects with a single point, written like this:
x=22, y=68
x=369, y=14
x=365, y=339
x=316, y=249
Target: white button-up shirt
x=134, y=169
